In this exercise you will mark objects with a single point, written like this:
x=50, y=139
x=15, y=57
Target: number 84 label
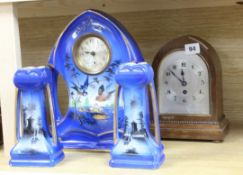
x=193, y=48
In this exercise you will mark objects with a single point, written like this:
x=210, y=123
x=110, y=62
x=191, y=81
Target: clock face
x=91, y=54
x=183, y=85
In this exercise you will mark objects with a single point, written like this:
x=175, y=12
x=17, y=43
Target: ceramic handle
x=115, y=121
x=155, y=112
x=53, y=123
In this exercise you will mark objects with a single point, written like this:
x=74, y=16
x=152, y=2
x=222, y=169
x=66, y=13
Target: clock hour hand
x=183, y=82
x=182, y=74
x=91, y=53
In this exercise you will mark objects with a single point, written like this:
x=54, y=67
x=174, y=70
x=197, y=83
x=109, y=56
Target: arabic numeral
x=192, y=48
x=175, y=97
x=202, y=82
x=183, y=64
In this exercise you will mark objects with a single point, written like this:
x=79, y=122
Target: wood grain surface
x=222, y=27
x=42, y=8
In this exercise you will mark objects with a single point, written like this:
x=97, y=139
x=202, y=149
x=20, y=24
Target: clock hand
x=183, y=82
x=182, y=74
x=91, y=53
x=87, y=52
x=176, y=76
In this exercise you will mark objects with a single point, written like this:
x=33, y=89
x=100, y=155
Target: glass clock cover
x=91, y=54
x=183, y=84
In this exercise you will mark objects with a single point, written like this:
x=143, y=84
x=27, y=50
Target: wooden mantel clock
x=189, y=89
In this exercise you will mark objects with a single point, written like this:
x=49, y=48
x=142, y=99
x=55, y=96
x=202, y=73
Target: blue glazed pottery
x=37, y=144
x=136, y=147
x=88, y=123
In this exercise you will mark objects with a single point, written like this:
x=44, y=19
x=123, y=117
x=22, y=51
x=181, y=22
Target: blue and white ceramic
x=88, y=123
x=136, y=147
x=37, y=144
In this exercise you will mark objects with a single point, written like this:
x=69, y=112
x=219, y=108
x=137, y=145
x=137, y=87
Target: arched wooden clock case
x=201, y=127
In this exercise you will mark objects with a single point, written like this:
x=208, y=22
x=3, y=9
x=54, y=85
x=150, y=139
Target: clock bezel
x=76, y=56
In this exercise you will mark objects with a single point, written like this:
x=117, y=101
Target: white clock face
x=92, y=54
x=183, y=85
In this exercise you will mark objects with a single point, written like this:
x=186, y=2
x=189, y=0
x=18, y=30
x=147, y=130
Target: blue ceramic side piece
x=137, y=147
x=88, y=123
x=36, y=145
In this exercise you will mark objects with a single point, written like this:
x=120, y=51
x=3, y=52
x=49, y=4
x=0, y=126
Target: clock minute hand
x=176, y=76
x=183, y=82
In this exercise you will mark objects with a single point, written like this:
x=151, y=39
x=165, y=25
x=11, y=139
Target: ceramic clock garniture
x=86, y=55
x=136, y=147
x=189, y=86
x=37, y=143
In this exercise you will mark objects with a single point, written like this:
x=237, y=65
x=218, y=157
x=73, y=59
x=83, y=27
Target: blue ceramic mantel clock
x=86, y=55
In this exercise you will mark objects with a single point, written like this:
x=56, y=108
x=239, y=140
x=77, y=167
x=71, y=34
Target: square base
x=211, y=131
x=136, y=161
x=37, y=160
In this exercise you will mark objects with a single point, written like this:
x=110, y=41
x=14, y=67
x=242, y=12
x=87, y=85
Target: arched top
x=206, y=50
x=122, y=45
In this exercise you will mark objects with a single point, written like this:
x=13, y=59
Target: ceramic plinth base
x=135, y=161
x=38, y=160
x=87, y=145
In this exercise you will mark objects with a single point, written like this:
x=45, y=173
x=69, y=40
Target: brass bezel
x=76, y=56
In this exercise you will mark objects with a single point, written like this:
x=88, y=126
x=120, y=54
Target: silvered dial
x=183, y=85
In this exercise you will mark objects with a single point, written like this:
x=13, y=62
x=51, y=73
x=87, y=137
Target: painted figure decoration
x=87, y=55
x=37, y=142
x=136, y=147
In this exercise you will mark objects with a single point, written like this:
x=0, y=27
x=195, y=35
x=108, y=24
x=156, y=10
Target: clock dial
x=91, y=54
x=183, y=84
